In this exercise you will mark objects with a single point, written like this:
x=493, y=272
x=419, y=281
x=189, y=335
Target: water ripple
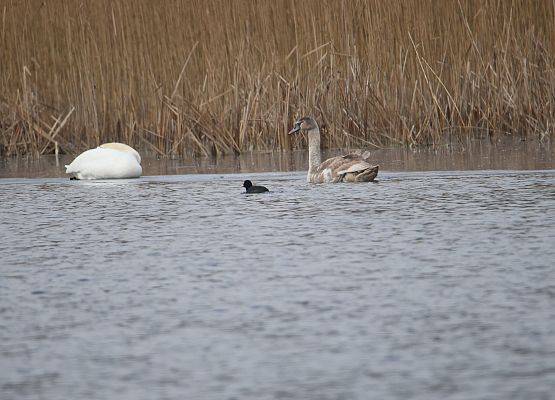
x=425, y=285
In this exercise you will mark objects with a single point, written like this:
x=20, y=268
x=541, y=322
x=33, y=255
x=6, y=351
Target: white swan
x=108, y=161
x=347, y=168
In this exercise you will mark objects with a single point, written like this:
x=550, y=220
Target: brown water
x=475, y=155
x=431, y=284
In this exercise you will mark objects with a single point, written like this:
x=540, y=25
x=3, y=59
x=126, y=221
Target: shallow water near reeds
x=428, y=284
x=504, y=154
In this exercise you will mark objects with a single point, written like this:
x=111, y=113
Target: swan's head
x=304, y=124
x=122, y=147
x=247, y=184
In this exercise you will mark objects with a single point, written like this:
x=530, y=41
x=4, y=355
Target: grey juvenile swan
x=347, y=168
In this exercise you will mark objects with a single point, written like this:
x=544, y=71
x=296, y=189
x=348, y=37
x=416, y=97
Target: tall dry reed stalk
x=212, y=77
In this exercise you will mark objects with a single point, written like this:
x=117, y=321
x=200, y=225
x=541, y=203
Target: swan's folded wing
x=332, y=169
x=359, y=155
x=353, y=166
x=330, y=163
x=351, y=156
x=84, y=159
x=101, y=163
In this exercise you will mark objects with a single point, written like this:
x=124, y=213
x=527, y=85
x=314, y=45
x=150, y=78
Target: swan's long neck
x=314, y=154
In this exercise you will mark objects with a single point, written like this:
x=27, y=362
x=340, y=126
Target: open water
x=431, y=284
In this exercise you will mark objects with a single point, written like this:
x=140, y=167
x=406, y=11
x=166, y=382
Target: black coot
x=254, y=189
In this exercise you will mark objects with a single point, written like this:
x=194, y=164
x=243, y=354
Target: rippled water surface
x=424, y=285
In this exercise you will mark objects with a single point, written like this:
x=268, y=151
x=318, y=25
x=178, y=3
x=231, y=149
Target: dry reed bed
x=213, y=77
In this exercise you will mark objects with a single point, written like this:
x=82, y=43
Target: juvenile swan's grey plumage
x=347, y=168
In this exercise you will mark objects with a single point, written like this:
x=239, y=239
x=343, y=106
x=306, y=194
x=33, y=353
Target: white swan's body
x=347, y=168
x=108, y=161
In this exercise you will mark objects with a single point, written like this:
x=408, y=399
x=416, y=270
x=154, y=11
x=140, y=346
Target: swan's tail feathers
x=368, y=175
x=366, y=155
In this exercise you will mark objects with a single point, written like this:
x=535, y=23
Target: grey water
x=426, y=285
